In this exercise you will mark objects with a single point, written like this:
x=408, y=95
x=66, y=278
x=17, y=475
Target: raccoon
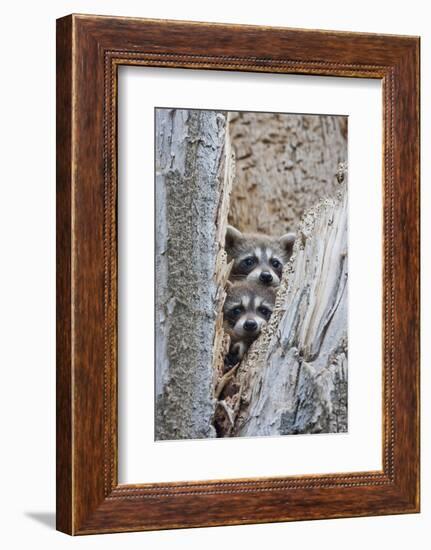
x=258, y=257
x=247, y=309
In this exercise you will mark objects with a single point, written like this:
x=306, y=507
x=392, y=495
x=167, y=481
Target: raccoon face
x=247, y=309
x=258, y=258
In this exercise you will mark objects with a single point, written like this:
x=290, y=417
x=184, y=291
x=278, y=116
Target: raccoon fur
x=247, y=309
x=258, y=257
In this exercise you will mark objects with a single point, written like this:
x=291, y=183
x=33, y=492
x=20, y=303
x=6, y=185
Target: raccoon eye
x=275, y=264
x=248, y=262
x=236, y=311
x=264, y=311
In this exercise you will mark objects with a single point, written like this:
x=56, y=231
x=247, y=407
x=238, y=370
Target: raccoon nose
x=265, y=277
x=250, y=325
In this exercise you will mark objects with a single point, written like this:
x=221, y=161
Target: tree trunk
x=285, y=164
x=193, y=178
x=294, y=379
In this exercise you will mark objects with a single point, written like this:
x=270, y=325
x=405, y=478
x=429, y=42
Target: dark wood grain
x=64, y=288
x=89, y=499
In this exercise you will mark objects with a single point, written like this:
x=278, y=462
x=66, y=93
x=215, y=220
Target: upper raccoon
x=258, y=257
x=247, y=309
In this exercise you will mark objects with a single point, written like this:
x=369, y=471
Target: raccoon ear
x=232, y=237
x=287, y=240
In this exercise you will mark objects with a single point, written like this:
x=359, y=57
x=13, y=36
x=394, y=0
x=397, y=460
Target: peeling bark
x=294, y=379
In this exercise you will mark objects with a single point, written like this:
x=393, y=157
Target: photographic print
x=251, y=280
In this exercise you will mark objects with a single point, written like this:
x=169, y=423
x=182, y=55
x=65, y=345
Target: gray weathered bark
x=294, y=379
x=193, y=178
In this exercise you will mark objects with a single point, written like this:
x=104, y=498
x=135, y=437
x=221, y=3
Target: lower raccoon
x=258, y=257
x=247, y=309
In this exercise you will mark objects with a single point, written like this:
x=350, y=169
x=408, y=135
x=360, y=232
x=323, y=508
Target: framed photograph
x=237, y=274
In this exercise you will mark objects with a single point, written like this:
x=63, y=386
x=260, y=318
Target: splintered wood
x=294, y=378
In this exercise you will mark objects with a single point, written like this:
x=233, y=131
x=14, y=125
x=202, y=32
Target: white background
x=141, y=458
x=27, y=122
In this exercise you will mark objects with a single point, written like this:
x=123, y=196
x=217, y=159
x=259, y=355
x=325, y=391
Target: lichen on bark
x=190, y=180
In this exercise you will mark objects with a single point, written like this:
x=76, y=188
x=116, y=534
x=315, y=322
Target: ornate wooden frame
x=89, y=51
